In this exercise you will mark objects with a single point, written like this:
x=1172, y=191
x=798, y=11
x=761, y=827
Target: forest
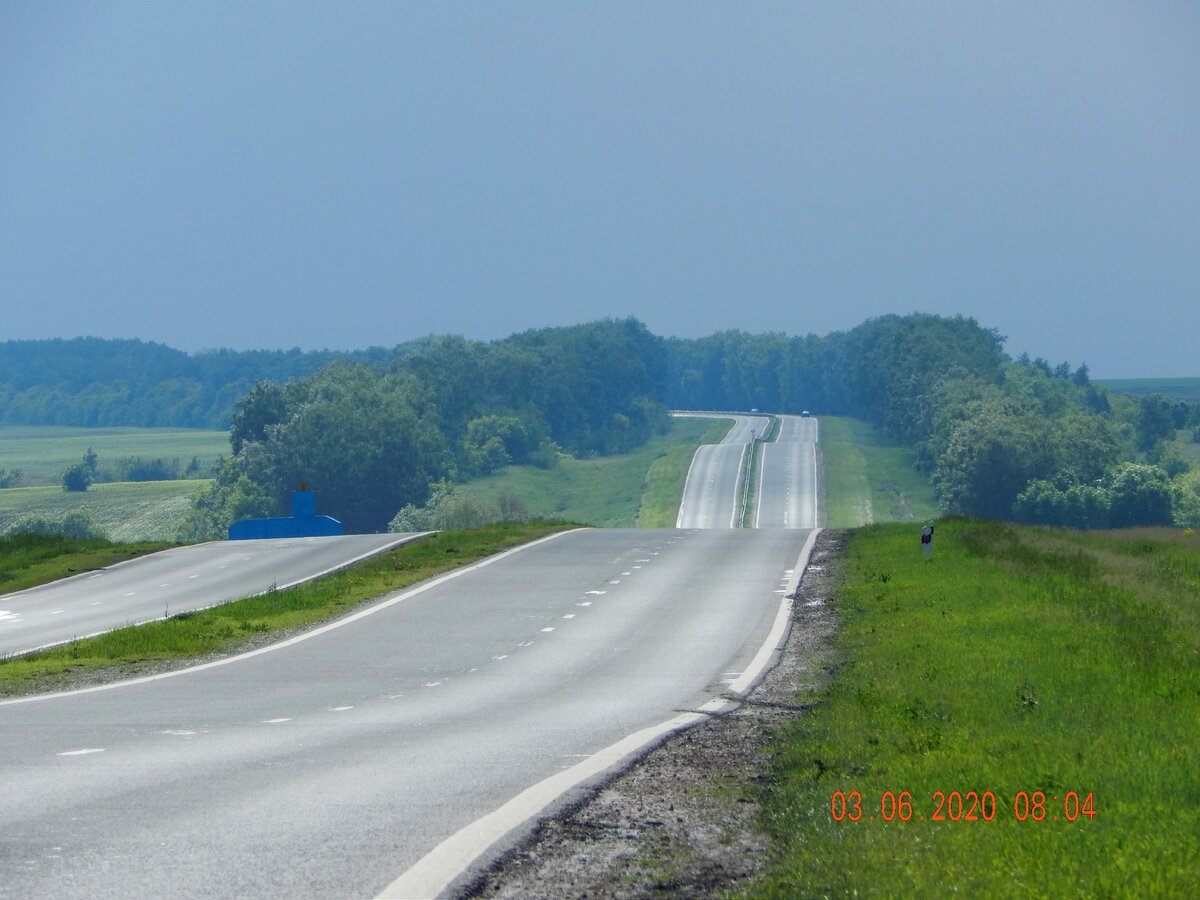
x=377, y=430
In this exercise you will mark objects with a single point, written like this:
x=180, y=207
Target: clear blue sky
x=340, y=175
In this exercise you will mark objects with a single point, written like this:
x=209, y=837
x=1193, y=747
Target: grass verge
x=225, y=629
x=612, y=491
x=866, y=480
x=1014, y=660
x=27, y=560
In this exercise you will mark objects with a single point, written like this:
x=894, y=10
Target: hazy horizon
x=285, y=175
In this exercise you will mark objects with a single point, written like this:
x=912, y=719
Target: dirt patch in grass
x=683, y=820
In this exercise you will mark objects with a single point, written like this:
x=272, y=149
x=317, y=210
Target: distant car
x=805, y=413
x=755, y=409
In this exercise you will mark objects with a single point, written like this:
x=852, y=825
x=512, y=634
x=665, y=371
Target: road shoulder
x=683, y=820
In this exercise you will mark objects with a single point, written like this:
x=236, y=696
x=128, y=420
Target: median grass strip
x=225, y=629
x=1056, y=672
x=27, y=560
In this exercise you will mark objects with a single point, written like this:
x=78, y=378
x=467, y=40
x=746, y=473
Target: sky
x=342, y=175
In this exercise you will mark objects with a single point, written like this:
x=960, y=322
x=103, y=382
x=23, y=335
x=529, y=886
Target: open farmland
x=124, y=511
x=41, y=452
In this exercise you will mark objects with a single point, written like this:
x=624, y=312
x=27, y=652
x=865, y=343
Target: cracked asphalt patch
x=682, y=821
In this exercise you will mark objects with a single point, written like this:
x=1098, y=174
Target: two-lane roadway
x=329, y=764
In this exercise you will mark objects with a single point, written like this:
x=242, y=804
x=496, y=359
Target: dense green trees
x=371, y=442
x=373, y=430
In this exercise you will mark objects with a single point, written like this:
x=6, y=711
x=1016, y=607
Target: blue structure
x=304, y=522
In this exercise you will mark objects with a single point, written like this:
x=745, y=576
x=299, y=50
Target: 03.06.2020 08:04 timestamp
x=963, y=806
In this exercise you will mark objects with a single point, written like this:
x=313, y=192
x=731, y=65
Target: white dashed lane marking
x=548, y=629
x=83, y=752
x=275, y=721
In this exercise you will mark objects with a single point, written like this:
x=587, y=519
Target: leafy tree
x=1141, y=495
x=1155, y=420
x=77, y=477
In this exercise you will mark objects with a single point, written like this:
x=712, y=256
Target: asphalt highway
x=711, y=494
x=787, y=476
x=327, y=765
x=171, y=582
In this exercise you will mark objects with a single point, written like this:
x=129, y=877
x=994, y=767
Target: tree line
x=378, y=430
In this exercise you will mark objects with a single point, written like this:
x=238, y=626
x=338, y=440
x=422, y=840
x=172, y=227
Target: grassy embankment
x=27, y=560
x=1014, y=660
x=866, y=480
x=223, y=629
x=640, y=488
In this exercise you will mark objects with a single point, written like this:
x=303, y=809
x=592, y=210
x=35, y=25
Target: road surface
x=712, y=494
x=171, y=582
x=787, y=488
x=329, y=764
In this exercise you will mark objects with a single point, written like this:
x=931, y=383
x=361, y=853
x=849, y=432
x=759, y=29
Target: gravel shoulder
x=682, y=821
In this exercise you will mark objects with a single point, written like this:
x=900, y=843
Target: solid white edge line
x=737, y=483
x=433, y=873
x=686, y=481
x=388, y=601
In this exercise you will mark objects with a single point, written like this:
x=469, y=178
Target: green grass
x=41, y=452
x=866, y=480
x=640, y=488
x=224, y=629
x=27, y=560
x=1186, y=389
x=1015, y=659
x=125, y=511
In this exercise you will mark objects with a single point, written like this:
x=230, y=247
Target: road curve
x=173, y=581
x=326, y=766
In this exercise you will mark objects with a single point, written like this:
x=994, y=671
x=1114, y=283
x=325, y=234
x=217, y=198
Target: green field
x=1052, y=672
x=640, y=488
x=124, y=511
x=1185, y=389
x=42, y=452
x=866, y=480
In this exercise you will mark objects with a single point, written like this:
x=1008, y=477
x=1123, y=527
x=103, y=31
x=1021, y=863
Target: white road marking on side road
x=584, y=603
x=569, y=616
x=551, y=628
x=275, y=721
x=58, y=612
x=340, y=708
x=596, y=593
x=177, y=731
x=83, y=752
x=500, y=657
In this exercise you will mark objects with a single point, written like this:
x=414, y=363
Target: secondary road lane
x=787, y=488
x=712, y=493
x=328, y=765
x=171, y=582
